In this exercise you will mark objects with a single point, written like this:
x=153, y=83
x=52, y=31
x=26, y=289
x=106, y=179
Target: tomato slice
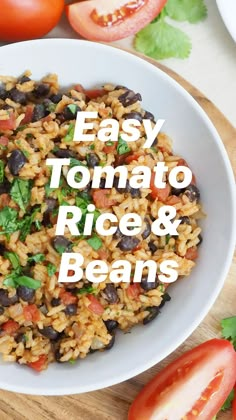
x=134, y=290
x=95, y=306
x=9, y=124
x=67, y=298
x=192, y=387
x=102, y=200
x=10, y=327
x=160, y=193
x=39, y=364
x=31, y=313
x=100, y=20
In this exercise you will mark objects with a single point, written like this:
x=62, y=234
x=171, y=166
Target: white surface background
x=211, y=66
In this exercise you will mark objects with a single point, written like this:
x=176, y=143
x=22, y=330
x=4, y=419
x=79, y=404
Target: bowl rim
x=183, y=335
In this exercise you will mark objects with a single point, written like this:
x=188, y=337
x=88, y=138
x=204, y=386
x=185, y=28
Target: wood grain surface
x=113, y=403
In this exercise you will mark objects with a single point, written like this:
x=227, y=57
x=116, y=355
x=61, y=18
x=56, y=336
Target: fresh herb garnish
x=161, y=40
x=168, y=239
x=28, y=282
x=38, y=224
x=122, y=146
x=72, y=361
x=228, y=326
x=86, y=289
x=2, y=174
x=228, y=402
x=70, y=133
x=73, y=108
x=8, y=221
x=26, y=153
x=21, y=128
x=92, y=146
x=95, y=242
x=37, y=258
x=26, y=223
x=14, y=259
x=51, y=269
x=109, y=143
x=20, y=192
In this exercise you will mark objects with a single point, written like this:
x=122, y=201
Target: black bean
x=68, y=114
x=71, y=309
x=51, y=203
x=111, y=343
x=118, y=234
x=111, y=293
x=23, y=79
x=165, y=298
x=193, y=193
x=21, y=338
x=25, y=293
x=111, y=325
x=134, y=192
x=41, y=90
x=39, y=112
x=6, y=107
x=102, y=183
x=3, y=93
x=118, y=87
x=200, y=239
x=5, y=187
x=64, y=153
x=153, y=312
x=128, y=243
x=185, y=220
x=149, y=116
x=2, y=249
x=147, y=231
x=129, y=98
x=56, y=98
x=55, y=302
x=1, y=310
x=92, y=160
x=16, y=161
x=17, y=96
x=43, y=308
x=57, y=355
x=177, y=191
x=50, y=333
x=60, y=117
x=153, y=248
x=61, y=244
x=149, y=285
x=133, y=115
x=5, y=300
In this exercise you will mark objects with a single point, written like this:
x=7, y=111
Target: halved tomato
x=102, y=20
x=192, y=387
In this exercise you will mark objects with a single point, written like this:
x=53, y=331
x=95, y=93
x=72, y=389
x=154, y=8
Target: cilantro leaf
x=228, y=402
x=70, y=133
x=2, y=174
x=160, y=40
x=228, y=326
x=25, y=224
x=28, y=282
x=191, y=10
x=20, y=192
x=37, y=258
x=86, y=289
x=122, y=146
x=8, y=221
x=14, y=259
x=95, y=242
x=51, y=269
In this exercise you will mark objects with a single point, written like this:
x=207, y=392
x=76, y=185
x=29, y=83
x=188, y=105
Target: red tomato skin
x=109, y=149
x=4, y=141
x=10, y=327
x=10, y=123
x=39, y=364
x=133, y=291
x=67, y=298
x=192, y=253
x=28, y=19
x=213, y=356
x=28, y=115
x=31, y=313
x=160, y=193
x=79, y=15
x=102, y=200
x=95, y=306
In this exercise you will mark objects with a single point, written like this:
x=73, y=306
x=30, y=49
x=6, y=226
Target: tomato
x=67, y=298
x=95, y=93
x=10, y=123
x=4, y=141
x=31, y=313
x=10, y=327
x=172, y=200
x=102, y=200
x=192, y=387
x=39, y=364
x=28, y=115
x=100, y=20
x=28, y=19
x=95, y=306
x=133, y=291
x=192, y=253
x=161, y=193
x=109, y=148
x=132, y=157
x=182, y=162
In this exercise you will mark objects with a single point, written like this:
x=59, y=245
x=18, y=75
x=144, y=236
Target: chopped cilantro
x=26, y=153
x=26, y=223
x=70, y=133
x=20, y=192
x=153, y=149
x=2, y=174
x=122, y=146
x=73, y=108
x=167, y=239
x=95, y=242
x=92, y=146
x=37, y=258
x=38, y=224
x=72, y=361
x=21, y=128
x=109, y=143
x=86, y=289
x=228, y=326
x=13, y=258
x=8, y=221
x=28, y=282
x=51, y=269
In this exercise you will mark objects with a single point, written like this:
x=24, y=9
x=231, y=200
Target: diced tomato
x=102, y=200
x=103, y=254
x=192, y=253
x=10, y=327
x=134, y=290
x=109, y=149
x=4, y=141
x=95, y=93
x=182, y=162
x=160, y=193
x=39, y=364
x=66, y=297
x=31, y=313
x=120, y=159
x=95, y=306
x=28, y=115
x=137, y=248
x=132, y=157
x=192, y=387
x=9, y=124
x=163, y=150
x=172, y=200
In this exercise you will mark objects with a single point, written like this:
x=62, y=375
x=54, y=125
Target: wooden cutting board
x=113, y=403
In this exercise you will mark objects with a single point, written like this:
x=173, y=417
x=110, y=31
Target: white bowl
x=196, y=139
